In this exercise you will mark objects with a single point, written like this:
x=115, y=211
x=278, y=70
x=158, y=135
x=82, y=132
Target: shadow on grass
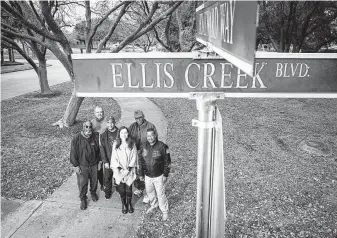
x=43, y=95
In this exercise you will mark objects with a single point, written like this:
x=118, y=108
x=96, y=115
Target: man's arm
x=167, y=160
x=102, y=149
x=74, y=153
x=141, y=163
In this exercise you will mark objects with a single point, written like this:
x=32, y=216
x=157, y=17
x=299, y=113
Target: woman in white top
x=124, y=163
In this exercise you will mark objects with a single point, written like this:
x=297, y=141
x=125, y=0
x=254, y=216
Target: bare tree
x=10, y=29
x=56, y=41
x=178, y=32
x=305, y=25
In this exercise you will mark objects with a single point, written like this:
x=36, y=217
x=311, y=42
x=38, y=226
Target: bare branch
x=157, y=20
x=21, y=52
x=46, y=11
x=141, y=26
x=94, y=30
x=36, y=14
x=160, y=41
x=19, y=17
x=87, y=26
x=113, y=27
x=9, y=27
x=24, y=37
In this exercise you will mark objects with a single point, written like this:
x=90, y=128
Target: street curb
x=25, y=67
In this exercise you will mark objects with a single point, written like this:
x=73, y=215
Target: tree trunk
x=10, y=55
x=13, y=56
x=2, y=56
x=70, y=114
x=43, y=77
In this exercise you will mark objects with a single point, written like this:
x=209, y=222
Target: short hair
x=152, y=130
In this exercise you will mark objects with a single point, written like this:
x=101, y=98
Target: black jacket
x=138, y=132
x=107, y=138
x=85, y=151
x=154, y=160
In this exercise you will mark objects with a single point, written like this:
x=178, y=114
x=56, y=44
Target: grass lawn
x=34, y=154
x=274, y=187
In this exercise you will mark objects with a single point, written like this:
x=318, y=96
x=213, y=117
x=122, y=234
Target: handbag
x=139, y=184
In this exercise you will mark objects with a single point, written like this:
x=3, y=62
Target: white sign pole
x=210, y=215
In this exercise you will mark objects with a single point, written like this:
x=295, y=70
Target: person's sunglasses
x=137, y=118
x=88, y=126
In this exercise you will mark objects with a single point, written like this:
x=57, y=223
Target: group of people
x=121, y=157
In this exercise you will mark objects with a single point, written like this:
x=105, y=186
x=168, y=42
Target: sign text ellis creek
x=211, y=75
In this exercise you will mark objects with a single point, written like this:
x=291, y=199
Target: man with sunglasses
x=85, y=154
x=138, y=131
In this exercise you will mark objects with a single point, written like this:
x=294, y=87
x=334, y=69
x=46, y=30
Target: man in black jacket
x=85, y=155
x=107, y=138
x=154, y=163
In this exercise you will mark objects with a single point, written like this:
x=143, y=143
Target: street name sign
x=180, y=74
x=229, y=29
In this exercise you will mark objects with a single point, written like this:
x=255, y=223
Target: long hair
x=129, y=141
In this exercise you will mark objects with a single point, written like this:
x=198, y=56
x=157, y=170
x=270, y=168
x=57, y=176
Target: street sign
x=229, y=29
x=179, y=74
x=206, y=80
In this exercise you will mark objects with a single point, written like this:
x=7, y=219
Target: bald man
x=99, y=124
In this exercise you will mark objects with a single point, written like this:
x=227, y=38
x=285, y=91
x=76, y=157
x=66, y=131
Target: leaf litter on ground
x=269, y=185
x=34, y=154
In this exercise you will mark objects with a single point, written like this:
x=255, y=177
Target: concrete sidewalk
x=60, y=216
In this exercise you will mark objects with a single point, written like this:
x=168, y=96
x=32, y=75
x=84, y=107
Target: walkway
x=60, y=215
x=21, y=82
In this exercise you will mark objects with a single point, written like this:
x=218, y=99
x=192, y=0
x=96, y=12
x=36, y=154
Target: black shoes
x=107, y=195
x=94, y=197
x=129, y=205
x=84, y=204
x=124, y=206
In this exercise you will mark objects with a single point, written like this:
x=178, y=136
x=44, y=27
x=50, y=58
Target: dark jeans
x=87, y=174
x=108, y=180
x=124, y=190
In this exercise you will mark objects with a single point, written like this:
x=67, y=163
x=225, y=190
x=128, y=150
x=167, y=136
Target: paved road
x=21, y=82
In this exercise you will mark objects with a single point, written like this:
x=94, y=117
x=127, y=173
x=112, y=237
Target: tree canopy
x=300, y=26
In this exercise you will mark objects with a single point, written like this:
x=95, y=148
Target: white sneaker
x=146, y=199
x=165, y=216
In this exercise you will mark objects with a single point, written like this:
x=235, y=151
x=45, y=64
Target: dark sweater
x=107, y=138
x=154, y=160
x=85, y=151
x=139, y=132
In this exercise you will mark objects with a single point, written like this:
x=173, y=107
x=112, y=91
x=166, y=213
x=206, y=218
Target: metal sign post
x=210, y=215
